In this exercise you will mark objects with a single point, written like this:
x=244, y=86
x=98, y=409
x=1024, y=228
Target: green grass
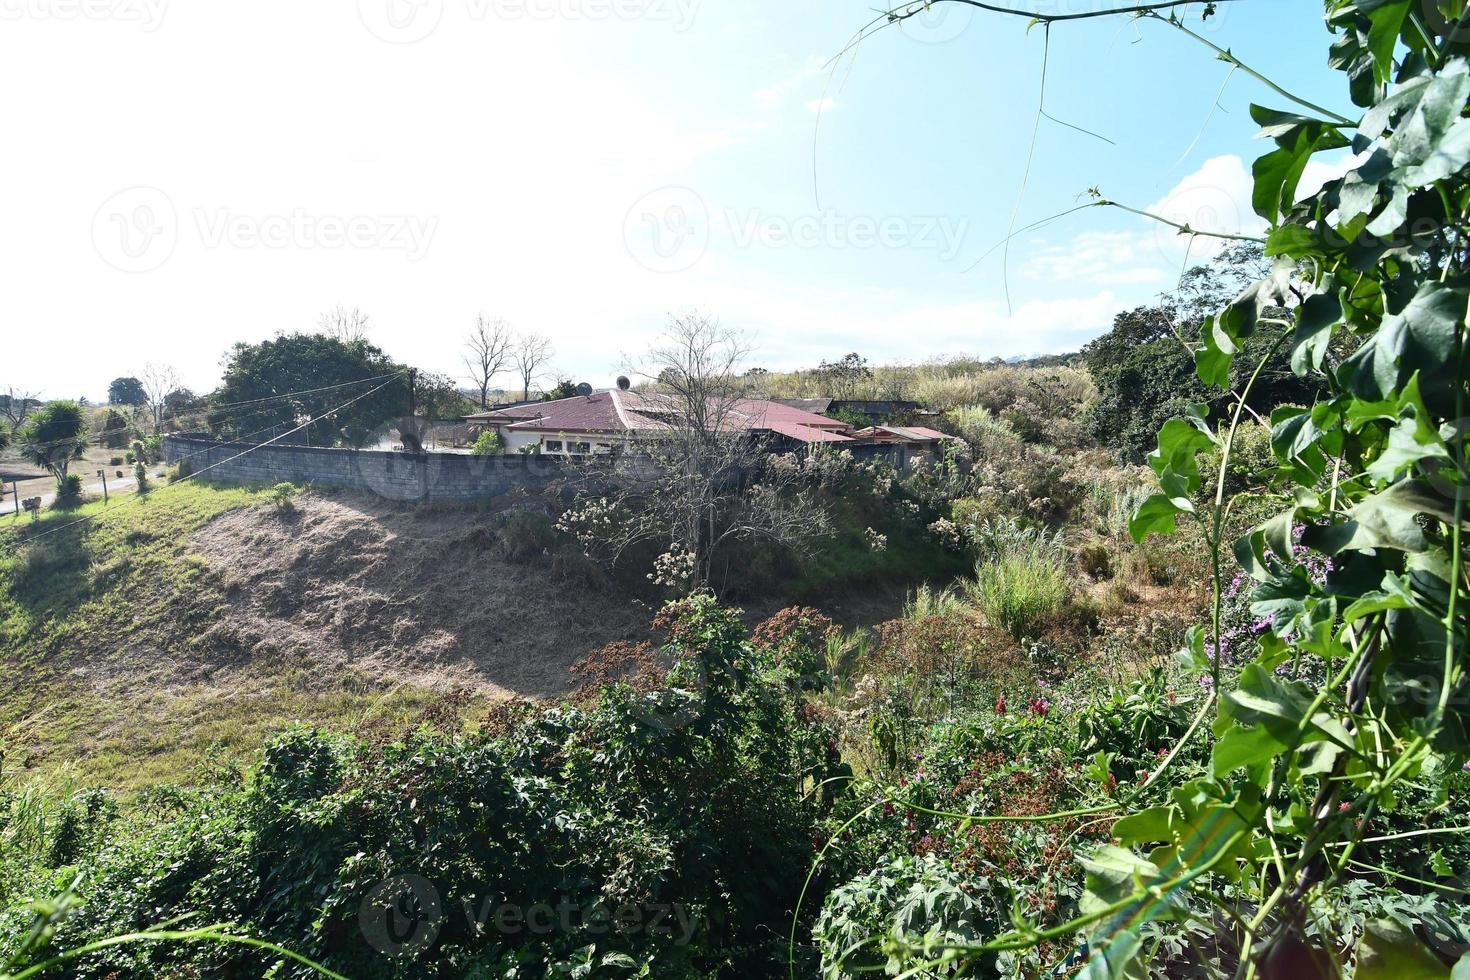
x=78, y=607
x=1018, y=587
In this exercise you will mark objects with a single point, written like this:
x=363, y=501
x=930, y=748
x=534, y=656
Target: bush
x=115, y=461
x=525, y=534
x=677, y=805
x=68, y=492
x=1017, y=588
x=179, y=471
x=140, y=478
x=489, y=443
x=910, y=897
x=1096, y=559
x=280, y=496
x=1150, y=564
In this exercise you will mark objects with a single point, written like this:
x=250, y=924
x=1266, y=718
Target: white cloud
x=1099, y=258
x=821, y=105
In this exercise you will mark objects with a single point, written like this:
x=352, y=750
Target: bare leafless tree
x=159, y=381
x=531, y=353
x=709, y=478
x=348, y=326
x=488, y=348
x=16, y=405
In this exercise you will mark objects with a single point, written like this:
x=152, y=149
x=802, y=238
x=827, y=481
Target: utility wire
x=89, y=517
x=213, y=411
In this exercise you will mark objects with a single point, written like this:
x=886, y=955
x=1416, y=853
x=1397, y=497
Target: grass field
x=97, y=621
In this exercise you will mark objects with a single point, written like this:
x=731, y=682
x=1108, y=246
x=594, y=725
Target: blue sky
x=197, y=175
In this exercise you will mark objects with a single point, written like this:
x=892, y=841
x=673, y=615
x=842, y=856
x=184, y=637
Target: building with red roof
x=602, y=421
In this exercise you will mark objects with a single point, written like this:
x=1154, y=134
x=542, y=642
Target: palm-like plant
x=54, y=437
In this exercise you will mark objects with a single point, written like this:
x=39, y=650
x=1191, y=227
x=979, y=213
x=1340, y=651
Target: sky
x=182, y=176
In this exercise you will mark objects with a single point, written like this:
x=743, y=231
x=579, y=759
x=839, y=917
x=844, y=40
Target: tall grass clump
x=927, y=601
x=1018, y=586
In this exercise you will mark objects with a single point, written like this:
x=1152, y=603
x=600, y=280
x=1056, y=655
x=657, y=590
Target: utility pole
x=103, y=474
x=413, y=374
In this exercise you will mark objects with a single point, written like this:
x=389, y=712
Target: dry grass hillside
x=202, y=616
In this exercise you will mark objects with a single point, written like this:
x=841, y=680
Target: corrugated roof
x=630, y=411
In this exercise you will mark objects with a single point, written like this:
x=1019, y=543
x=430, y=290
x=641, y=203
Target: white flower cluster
x=674, y=568
x=950, y=534
x=876, y=541
x=590, y=523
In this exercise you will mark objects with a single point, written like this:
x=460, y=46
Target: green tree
x=562, y=389
x=1145, y=370
x=300, y=366
x=126, y=391
x=54, y=436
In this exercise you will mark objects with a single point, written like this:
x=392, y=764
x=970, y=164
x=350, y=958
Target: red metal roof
x=624, y=411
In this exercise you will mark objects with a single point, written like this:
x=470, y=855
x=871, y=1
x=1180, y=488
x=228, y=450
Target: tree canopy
x=298, y=376
x=54, y=436
x=126, y=391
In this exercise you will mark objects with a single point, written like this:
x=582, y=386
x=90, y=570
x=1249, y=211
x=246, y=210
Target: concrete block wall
x=398, y=476
x=405, y=476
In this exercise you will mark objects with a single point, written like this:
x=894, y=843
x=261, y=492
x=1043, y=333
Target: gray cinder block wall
x=398, y=476
x=408, y=476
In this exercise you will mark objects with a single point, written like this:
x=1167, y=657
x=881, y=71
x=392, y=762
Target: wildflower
x=1039, y=706
x=889, y=809
x=1112, y=783
x=1000, y=709
x=1343, y=807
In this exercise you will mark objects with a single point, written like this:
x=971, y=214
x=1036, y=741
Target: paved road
x=115, y=486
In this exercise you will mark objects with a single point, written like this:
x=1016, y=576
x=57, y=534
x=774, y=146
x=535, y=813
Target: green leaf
x=1384, y=520
x=1387, y=21
x=1241, y=748
x=1389, y=950
x=1413, y=439
x=1145, y=826
x=1313, y=333
x=1421, y=337
x=1154, y=516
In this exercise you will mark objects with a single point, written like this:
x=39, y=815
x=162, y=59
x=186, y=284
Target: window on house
x=552, y=445
x=579, y=447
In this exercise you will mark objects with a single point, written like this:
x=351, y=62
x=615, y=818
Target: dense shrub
x=524, y=534
x=674, y=808
x=489, y=443
x=1020, y=585
x=68, y=492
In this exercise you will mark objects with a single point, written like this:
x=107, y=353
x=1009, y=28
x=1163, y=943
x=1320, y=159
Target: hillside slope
x=204, y=616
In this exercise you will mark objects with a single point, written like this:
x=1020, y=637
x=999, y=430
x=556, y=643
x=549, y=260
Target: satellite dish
x=623, y=383
x=584, y=389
